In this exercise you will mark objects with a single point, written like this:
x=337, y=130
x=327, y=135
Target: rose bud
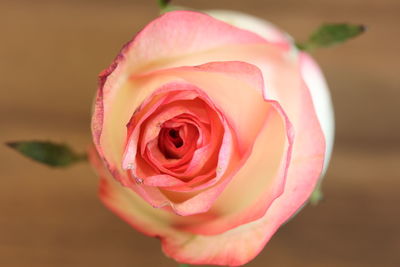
x=210, y=133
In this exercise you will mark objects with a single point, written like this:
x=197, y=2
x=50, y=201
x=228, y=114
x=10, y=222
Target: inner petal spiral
x=177, y=139
x=174, y=138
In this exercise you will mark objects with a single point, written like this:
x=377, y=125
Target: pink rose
x=214, y=135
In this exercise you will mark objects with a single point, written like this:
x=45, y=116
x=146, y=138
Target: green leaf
x=184, y=265
x=331, y=34
x=51, y=154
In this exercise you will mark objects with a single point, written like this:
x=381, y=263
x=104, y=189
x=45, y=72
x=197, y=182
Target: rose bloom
x=210, y=132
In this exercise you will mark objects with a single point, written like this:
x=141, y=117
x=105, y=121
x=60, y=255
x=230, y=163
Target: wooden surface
x=50, y=54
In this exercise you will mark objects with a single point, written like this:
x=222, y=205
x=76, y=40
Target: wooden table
x=50, y=54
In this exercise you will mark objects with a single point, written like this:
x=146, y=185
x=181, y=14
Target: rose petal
x=219, y=80
x=248, y=115
x=240, y=245
x=315, y=81
x=263, y=177
x=246, y=22
x=203, y=200
x=151, y=132
x=178, y=34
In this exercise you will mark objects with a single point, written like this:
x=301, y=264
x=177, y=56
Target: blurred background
x=50, y=55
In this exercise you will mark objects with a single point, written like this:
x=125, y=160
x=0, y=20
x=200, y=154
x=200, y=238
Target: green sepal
x=331, y=34
x=316, y=195
x=170, y=8
x=163, y=3
x=165, y=7
x=51, y=154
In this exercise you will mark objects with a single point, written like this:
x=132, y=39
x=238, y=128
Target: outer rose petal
x=320, y=94
x=250, y=23
x=312, y=74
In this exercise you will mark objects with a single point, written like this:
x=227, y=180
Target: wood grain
x=50, y=54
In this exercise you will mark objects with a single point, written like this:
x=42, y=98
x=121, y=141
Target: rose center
x=175, y=138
